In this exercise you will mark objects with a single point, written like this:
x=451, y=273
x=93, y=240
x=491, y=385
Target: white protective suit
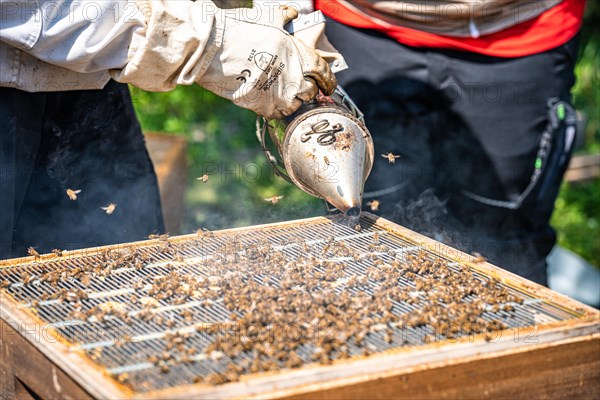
x=243, y=55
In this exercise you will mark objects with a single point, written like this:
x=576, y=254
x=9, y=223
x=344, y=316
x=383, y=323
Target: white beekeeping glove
x=244, y=55
x=304, y=7
x=263, y=68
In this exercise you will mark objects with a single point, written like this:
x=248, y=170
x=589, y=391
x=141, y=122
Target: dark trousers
x=469, y=129
x=86, y=140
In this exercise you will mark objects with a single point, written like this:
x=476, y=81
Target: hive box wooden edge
x=555, y=361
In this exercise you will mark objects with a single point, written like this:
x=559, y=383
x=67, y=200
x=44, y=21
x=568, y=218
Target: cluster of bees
x=292, y=308
x=175, y=351
x=290, y=312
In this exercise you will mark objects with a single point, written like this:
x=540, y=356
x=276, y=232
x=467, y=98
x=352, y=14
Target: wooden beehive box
x=548, y=345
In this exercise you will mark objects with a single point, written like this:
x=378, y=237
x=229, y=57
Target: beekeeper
x=74, y=168
x=474, y=96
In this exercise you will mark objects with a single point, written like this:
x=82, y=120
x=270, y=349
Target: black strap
x=560, y=114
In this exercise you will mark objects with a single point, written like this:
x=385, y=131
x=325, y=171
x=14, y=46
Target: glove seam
x=214, y=44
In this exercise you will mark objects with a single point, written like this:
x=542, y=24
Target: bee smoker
x=324, y=148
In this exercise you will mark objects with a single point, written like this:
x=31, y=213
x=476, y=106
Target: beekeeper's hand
x=242, y=54
x=263, y=68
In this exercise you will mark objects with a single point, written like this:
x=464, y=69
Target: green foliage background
x=577, y=212
x=221, y=140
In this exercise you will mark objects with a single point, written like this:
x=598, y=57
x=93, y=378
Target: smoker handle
x=261, y=133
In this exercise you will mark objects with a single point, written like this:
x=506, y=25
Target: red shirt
x=548, y=30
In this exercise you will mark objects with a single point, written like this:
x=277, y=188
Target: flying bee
x=391, y=157
x=374, y=204
x=73, y=193
x=327, y=162
x=274, y=199
x=109, y=209
x=203, y=178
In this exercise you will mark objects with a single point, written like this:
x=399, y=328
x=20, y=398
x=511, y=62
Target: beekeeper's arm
x=155, y=45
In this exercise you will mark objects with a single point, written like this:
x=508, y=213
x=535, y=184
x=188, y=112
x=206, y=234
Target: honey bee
x=124, y=340
x=478, y=258
x=188, y=316
x=164, y=237
x=203, y=232
x=326, y=160
x=508, y=307
x=391, y=157
x=274, y=199
x=203, y=178
x=374, y=204
x=149, y=302
x=73, y=193
x=388, y=336
x=376, y=238
x=215, y=379
x=57, y=252
x=186, y=359
x=71, y=297
x=293, y=360
x=123, y=378
x=109, y=209
x=428, y=338
x=32, y=252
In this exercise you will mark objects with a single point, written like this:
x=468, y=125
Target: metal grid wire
x=125, y=348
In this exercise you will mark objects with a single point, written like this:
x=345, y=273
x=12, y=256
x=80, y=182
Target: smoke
x=427, y=214
x=501, y=242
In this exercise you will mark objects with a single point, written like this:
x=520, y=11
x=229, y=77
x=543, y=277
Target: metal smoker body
x=324, y=148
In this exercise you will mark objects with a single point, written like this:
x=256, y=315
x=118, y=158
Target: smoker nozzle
x=353, y=212
x=325, y=149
